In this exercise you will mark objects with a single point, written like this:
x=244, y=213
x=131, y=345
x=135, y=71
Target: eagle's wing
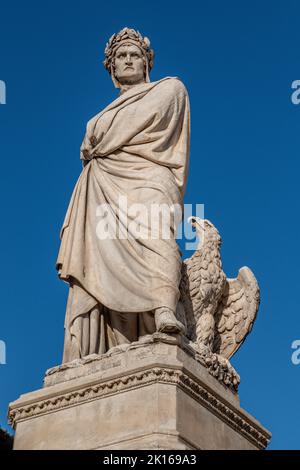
x=236, y=312
x=188, y=291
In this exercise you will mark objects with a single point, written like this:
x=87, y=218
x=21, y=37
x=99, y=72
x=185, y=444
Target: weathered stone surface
x=154, y=396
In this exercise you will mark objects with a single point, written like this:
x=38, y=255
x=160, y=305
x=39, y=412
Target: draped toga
x=136, y=149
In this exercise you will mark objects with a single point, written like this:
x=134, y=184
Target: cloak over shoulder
x=136, y=148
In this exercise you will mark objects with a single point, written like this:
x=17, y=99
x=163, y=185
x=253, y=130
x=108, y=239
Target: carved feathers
x=205, y=289
x=236, y=312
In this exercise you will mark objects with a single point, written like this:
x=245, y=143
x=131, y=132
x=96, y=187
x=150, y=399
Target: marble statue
x=123, y=288
x=218, y=312
x=137, y=147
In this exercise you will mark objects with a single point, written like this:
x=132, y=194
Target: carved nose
x=128, y=60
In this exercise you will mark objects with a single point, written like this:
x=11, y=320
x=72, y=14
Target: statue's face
x=129, y=67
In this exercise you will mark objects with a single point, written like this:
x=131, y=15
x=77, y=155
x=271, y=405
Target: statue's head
x=128, y=58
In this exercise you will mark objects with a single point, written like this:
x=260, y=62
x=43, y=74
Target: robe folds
x=135, y=151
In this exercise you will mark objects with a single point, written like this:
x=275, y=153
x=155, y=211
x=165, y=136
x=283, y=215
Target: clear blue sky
x=238, y=60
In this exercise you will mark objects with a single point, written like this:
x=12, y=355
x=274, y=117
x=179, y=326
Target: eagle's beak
x=196, y=222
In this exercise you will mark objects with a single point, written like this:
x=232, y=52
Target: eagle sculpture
x=218, y=312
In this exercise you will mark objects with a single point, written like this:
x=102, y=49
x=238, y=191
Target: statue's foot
x=166, y=322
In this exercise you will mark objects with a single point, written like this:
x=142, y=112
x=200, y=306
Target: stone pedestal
x=147, y=395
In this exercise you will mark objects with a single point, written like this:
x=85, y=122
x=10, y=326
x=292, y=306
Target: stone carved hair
x=127, y=36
